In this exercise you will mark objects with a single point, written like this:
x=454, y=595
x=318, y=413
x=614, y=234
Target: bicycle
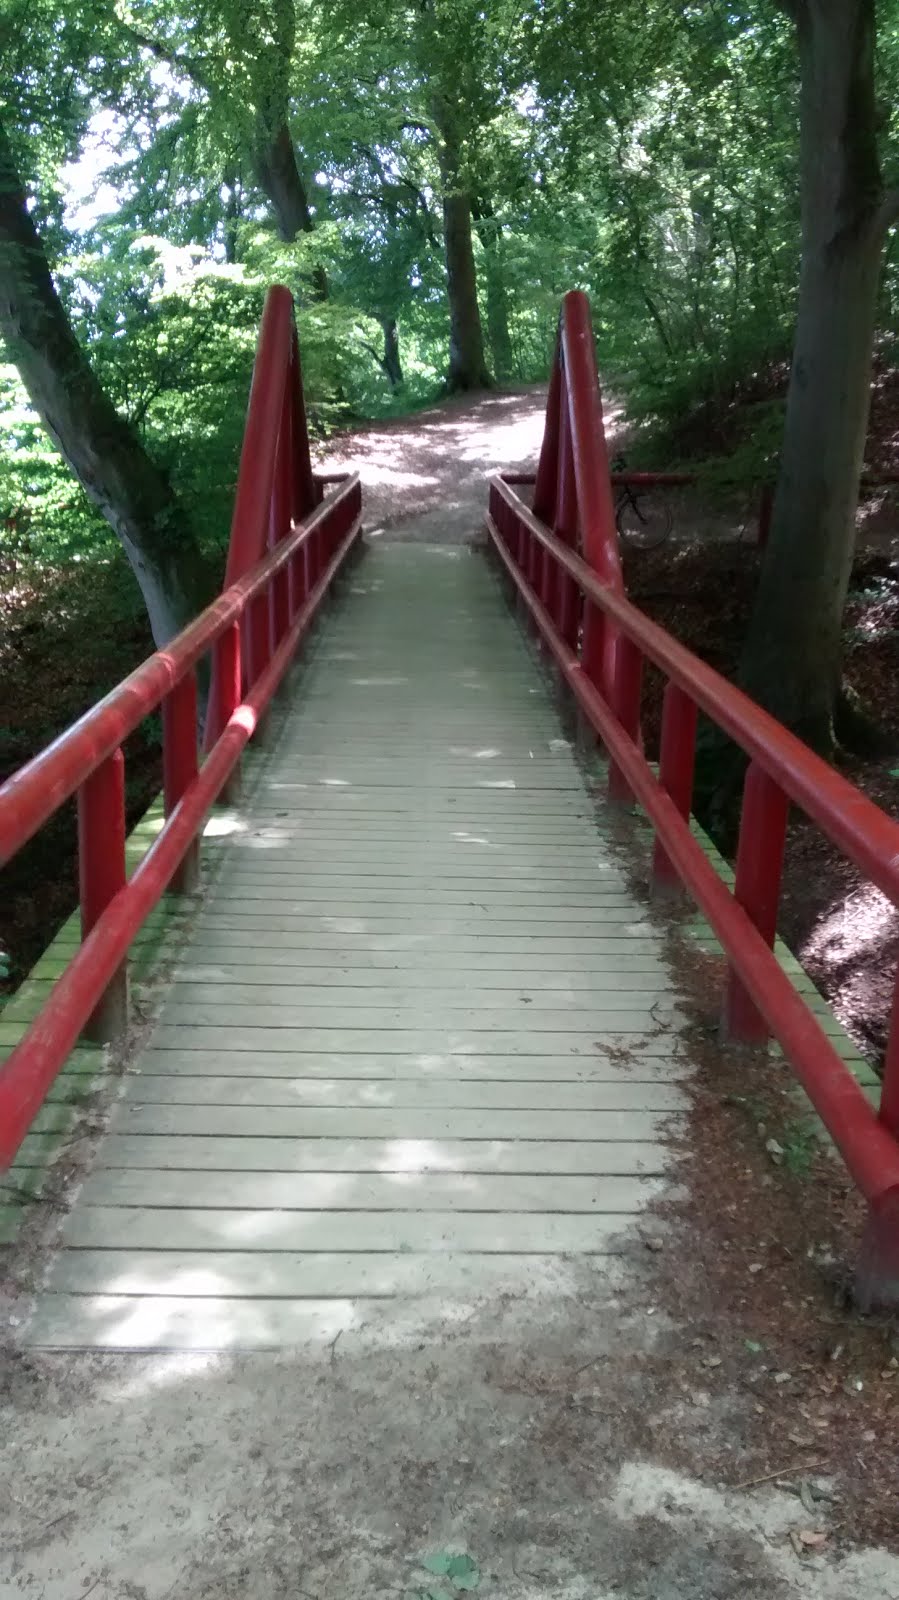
x=640, y=526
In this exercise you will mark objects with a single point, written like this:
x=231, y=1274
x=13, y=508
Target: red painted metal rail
x=575, y=598
x=287, y=545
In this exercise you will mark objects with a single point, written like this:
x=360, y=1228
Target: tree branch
x=191, y=66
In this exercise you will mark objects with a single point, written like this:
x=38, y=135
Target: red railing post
x=535, y=564
x=514, y=534
x=677, y=758
x=101, y=875
x=259, y=642
x=626, y=705
x=229, y=679
x=179, y=767
x=760, y=854
x=593, y=658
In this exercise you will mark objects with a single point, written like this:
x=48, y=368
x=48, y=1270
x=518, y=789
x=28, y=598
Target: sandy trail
x=424, y=477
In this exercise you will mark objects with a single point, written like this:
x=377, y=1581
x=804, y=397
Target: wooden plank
x=302, y=994
x=585, y=1019
x=352, y=1191
x=434, y=1093
x=544, y=967
x=232, y=1228
x=439, y=1045
x=626, y=943
x=322, y=984
x=417, y=924
x=296, y=873
x=644, y=1158
x=436, y=897
x=635, y=1066
x=378, y=1122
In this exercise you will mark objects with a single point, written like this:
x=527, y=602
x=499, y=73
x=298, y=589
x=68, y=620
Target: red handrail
x=261, y=616
x=760, y=997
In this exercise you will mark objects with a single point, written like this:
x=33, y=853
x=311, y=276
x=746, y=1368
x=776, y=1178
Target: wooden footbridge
x=415, y=1033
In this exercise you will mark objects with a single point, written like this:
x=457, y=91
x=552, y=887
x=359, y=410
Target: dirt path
x=424, y=476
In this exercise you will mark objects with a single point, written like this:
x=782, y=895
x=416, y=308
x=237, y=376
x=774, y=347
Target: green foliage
x=644, y=152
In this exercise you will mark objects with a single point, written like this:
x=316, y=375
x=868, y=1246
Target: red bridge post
x=101, y=875
x=760, y=854
x=179, y=767
x=677, y=757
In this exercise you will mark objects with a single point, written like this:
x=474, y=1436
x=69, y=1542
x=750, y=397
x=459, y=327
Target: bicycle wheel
x=644, y=523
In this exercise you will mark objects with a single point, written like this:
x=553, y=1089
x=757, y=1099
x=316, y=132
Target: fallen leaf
x=811, y=1539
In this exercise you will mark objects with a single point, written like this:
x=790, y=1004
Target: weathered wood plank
x=432, y=1094
x=636, y=1158
x=353, y=1191
x=232, y=1228
x=377, y=1122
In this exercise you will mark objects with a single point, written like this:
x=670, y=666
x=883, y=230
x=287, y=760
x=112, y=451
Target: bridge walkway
x=419, y=1048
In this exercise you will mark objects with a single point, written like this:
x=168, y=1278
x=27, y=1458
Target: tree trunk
x=391, y=362
x=101, y=448
x=231, y=220
x=490, y=234
x=793, y=653
x=280, y=180
x=467, y=366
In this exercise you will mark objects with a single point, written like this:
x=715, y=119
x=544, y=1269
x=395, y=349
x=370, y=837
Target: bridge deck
x=390, y=1067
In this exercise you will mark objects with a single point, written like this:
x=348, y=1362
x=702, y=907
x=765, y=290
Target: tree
x=102, y=449
x=242, y=67
x=490, y=233
x=421, y=66
x=792, y=659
